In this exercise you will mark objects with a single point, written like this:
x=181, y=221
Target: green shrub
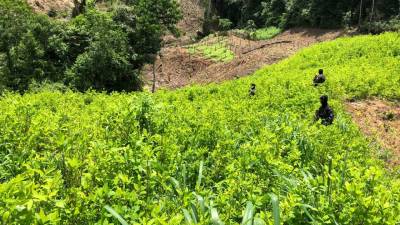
x=258, y=34
x=266, y=33
x=95, y=50
x=377, y=27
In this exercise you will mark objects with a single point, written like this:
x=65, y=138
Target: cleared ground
x=177, y=68
x=380, y=120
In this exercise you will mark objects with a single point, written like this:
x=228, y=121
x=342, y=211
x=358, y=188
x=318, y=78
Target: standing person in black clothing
x=325, y=113
x=252, y=90
x=319, y=78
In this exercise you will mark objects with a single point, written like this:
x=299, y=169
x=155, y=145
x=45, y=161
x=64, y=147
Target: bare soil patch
x=379, y=120
x=44, y=6
x=249, y=57
x=193, y=17
x=174, y=63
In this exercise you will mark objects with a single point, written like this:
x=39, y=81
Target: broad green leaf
x=215, y=217
x=258, y=221
x=275, y=208
x=188, y=217
x=194, y=213
x=200, y=175
x=116, y=215
x=248, y=214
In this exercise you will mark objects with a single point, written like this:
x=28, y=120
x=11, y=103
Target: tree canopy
x=93, y=50
x=315, y=13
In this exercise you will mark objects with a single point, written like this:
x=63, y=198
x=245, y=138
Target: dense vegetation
x=369, y=14
x=205, y=154
x=96, y=49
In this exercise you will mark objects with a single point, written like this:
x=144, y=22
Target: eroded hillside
x=178, y=67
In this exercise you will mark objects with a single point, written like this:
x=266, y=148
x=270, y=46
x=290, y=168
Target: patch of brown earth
x=44, y=6
x=176, y=62
x=192, y=22
x=379, y=120
x=249, y=57
x=193, y=17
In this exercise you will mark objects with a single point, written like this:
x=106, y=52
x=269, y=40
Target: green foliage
x=28, y=55
x=258, y=34
x=275, y=209
x=224, y=24
x=105, y=64
x=116, y=215
x=266, y=33
x=211, y=159
x=381, y=26
x=98, y=50
x=36, y=87
x=316, y=13
x=218, y=52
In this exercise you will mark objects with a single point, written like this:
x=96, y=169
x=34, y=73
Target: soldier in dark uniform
x=319, y=78
x=252, y=90
x=325, y=113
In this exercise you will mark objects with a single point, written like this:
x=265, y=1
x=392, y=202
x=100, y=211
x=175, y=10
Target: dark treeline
x=96, y=49
x=366, y=14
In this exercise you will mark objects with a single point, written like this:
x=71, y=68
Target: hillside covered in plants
x=207, y=154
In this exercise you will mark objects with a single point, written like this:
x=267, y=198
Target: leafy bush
x=225, y=24
x=266, y=33
x=98, y=50
x=258, y=34
x=206, y=154
x=381, y=26
x=36, y=87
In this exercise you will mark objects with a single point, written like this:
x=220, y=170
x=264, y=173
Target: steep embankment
x=193, y=17
x=206, y=153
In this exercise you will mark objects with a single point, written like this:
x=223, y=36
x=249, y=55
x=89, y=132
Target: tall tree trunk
x=153, y=89
x=9, y=62
x=79, y=8
x=371, y=16
x=359, y=18
x=372, y=11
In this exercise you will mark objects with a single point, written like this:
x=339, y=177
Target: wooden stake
x=153, y=89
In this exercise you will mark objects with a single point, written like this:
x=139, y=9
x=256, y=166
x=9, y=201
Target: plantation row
x=206, y=155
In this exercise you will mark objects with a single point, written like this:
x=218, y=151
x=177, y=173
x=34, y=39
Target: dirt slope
x=177, y=68
x=379, y=120
x=193, y=17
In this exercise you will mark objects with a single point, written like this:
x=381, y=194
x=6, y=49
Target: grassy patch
x=266, y=33
x=218, y=52
x=259, y=34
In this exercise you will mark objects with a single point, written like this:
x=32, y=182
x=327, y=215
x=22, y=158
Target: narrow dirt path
x=177, y=68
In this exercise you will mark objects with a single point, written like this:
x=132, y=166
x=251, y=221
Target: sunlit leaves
x=212, y=158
